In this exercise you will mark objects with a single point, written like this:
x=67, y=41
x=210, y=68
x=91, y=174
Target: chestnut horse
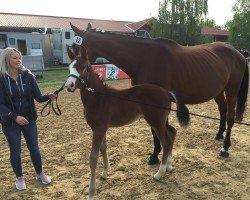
x=196, y=74
x=108, y=107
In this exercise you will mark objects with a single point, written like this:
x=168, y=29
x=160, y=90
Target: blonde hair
x=4, y=58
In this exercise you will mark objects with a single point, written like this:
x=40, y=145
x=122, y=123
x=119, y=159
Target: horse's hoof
x=152, y=160
x=224, y=153
x=157, y=177
x=218, y=136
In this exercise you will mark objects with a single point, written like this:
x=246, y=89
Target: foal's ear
x=70, y=54
x=84, y=53
x=75, y=29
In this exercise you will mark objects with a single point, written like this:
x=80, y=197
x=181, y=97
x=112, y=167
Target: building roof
x=26, y=21
x=134, y=26
x=213, y=31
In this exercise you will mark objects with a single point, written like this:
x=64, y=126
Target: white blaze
x=70, y=83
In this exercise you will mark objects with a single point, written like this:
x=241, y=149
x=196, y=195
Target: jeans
x=13, y=136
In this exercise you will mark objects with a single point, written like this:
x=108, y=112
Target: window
x=143, y=33
x=35, y=46
x=67, y=35
x=12, y=41
x=3, y=41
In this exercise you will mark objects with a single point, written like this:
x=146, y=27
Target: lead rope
x=50, y=103
x=157, y=106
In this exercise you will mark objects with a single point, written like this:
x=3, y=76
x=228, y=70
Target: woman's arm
x=39, y=97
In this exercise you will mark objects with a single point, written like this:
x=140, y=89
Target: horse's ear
x=70, y=54
x=75, y=29
x=89, y=27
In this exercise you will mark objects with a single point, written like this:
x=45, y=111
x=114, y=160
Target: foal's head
x=78, y=68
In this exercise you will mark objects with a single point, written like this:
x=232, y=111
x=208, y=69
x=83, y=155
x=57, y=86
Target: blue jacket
x=17, y=98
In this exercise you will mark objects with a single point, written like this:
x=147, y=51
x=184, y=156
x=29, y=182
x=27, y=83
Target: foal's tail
x=182, y=110
x=242, y=96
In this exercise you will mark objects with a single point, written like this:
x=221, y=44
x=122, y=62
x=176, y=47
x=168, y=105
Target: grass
x=56, y=77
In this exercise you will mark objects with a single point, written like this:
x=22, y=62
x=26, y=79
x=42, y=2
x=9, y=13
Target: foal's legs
x=172, y=133
x=97, y=140
x=222, y=106
x=104, y=153
x=153, y=159
x=166, y=142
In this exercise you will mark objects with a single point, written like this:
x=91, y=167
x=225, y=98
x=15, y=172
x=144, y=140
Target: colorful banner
x=109, y=72
x=122, y=74
x=100, y=70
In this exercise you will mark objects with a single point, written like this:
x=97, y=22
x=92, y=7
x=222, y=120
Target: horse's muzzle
x=70, y=90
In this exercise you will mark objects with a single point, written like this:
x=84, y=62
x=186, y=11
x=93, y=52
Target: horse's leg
x=166, y=141
x=222, y=106
x=104, y=153
x=153, y=159
x=172, y=133
x=231, y=103
x=97, y=139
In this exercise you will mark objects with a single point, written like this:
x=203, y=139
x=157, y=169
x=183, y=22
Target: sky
x=121, y=10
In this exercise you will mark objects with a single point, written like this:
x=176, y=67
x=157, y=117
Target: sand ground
x=65, y=142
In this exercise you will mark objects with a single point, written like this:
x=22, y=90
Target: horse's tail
x=242, y=95
x=182, y=110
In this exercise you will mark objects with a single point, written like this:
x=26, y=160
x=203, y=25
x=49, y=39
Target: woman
x=18, y=89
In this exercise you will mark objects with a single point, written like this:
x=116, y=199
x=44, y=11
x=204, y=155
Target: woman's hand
x=21, y=121
x=52, y=96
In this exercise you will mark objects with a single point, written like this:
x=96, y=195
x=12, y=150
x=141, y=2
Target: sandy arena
x=65, y=141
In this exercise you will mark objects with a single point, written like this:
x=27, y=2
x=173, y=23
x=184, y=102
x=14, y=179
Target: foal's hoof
x=104, y=176
x=224, y=153
x=169, y=169
x=152, y=160
x=90, y=198
x=218, y=136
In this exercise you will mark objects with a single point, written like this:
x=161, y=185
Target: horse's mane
x=121, y=34
x=166, y=41
x=130, y=35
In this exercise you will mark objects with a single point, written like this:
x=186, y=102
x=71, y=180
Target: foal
x=108, y=107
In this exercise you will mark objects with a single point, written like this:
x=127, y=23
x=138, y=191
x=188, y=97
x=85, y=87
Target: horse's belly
x=201, y=84
x=124, y=118
x=201, y=92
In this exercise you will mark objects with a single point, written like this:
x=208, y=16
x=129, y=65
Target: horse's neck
x=120, y=50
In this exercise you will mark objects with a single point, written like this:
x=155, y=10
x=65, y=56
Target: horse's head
x=92, y=55
x=78, y=68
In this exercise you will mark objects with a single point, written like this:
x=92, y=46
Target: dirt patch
x=65, y=142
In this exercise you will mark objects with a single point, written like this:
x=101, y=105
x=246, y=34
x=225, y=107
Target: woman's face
x=15, y=61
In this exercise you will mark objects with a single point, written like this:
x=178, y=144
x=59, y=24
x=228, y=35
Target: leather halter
x=82, y=81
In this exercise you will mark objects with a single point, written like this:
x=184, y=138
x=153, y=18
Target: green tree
x=239, y=27
x=180, y=20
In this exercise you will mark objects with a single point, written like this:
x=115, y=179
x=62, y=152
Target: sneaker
x=20, y=183
x=45, y=179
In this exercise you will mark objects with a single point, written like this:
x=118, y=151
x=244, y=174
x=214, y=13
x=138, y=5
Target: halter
x=79, y=78
x=50, y=102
